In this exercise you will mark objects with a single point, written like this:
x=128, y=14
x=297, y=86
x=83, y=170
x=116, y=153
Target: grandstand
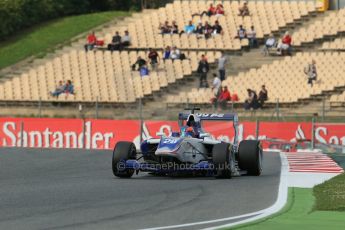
x=330, y=26
x=266, y=16
x=337, y=44
x=284, y=78
x=102, y=76
x=107, y=77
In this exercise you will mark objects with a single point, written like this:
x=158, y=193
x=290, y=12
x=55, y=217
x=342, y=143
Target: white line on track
x=277, y=206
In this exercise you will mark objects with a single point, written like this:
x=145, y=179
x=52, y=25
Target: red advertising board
x=103, y=134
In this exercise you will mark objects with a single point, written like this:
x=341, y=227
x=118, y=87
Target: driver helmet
x=192, y=120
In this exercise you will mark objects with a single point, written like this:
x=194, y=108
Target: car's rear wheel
x=221, y=157
x=123, y=151
x=250, y=157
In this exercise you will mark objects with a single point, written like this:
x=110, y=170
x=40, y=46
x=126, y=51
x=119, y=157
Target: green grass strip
x=299, y=214
x=330, y=195
x=45, y=37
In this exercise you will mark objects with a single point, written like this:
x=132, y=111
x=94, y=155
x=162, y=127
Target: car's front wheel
x=123, y=151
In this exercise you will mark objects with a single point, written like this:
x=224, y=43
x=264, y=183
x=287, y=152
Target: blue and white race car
x=191, y=150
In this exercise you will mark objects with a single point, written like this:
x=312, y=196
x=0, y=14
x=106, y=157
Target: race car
x=190, y=151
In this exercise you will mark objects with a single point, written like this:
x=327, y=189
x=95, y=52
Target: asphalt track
x=73, y=189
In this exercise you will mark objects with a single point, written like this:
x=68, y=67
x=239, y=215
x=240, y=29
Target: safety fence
x=104, y=134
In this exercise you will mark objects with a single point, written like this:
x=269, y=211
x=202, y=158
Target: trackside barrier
x=104, y=134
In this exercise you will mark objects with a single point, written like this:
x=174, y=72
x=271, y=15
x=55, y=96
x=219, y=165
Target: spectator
x=175, y=53
x=270, y=43
x=216, y=85
x=165, y=28
x=285, y=44
x=211, y=11
x=91, y=42
x=208, y=29
x=199, y=30
x=166, y=53
x=217, y=29
x=140, y=62
x=189, y=29
x=69, y=88
x=203, y=69
x=216, y=88
x=224, y=97
x=252, y=101
x=310, y=71
x=144, y=71
x=219, y=10
x=263, y=96
x=244, y=10
x=153, y=56
x=59, y=89
x=126, y=39
x=115, y=43
x=251, y=35
x=174, y=28
x=241, y=33
x=221, y=66
x=234, y=97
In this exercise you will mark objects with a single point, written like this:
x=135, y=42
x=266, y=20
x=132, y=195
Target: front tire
x=123, y=151
x=250, y=157
x=221, y=155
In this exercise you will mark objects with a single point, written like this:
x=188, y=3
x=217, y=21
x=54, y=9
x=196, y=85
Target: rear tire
x=250, y=157
x=123, y=151
x=221, y=155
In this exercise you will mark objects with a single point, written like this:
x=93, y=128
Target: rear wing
x=215, y=117
x=211, y=116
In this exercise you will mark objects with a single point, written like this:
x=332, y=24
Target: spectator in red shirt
x=285, y=44
x=234, y=97
x=219, y=10
x=153, y=56
x=224, y=97
x=91, y=42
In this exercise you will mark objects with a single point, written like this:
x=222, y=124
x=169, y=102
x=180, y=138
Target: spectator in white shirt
x=241, y=33
x=270, y=43
x=216, y=89
x=126, y=39
x=216, y=85
x=175, y=53
x=251, y=35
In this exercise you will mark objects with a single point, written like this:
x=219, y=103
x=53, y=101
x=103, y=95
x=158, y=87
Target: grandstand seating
x=107, y=76
x=338, y=100
x=285, y=79
x=103, y=75
x=266, y=17
x=337, y=44
x=331, y=25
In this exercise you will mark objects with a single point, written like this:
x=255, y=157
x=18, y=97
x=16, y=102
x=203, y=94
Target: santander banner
x=103, y=134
